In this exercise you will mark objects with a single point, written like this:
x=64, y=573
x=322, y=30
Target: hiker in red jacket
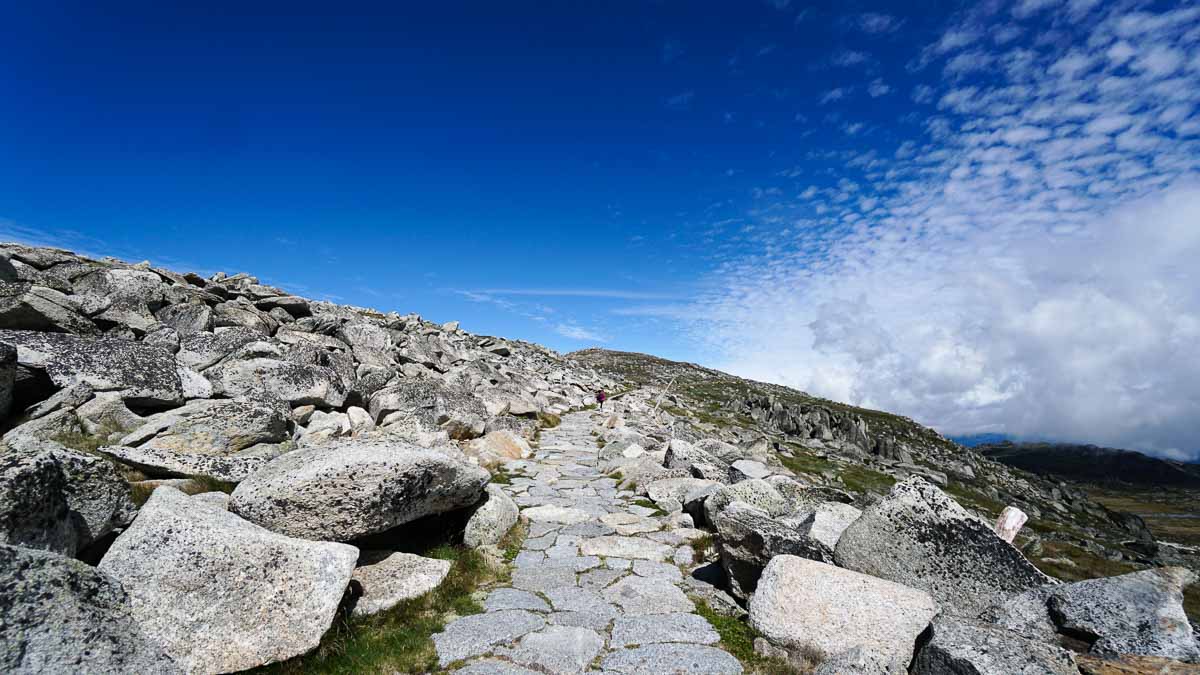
x=601, y=397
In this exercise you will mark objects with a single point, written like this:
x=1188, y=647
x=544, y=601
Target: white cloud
x=922, y=93
x=873, y=22
x=835, y=94
x=1120, y=52
x=1027, y=264
x=576, y=332
x=1026, y=8
x=846, y=58
x=1159, y=61
x=1078, y=337
x=878, y=88
x=575, y=293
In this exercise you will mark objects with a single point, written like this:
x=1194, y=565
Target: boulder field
x=206, y=474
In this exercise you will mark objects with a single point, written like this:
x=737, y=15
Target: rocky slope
x=207, y=474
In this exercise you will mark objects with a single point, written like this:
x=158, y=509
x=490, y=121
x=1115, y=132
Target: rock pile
x=334, y=423
x=908, y=580
x=129, y=392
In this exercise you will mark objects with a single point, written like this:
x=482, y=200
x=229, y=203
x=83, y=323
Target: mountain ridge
x=1093, y=463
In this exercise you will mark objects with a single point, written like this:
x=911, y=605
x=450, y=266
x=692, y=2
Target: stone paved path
x=597, y=585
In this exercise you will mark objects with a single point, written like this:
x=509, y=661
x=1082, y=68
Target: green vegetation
x=737, y=638
x=677, y=412
x=804, y=462
x=503, y=476
x=201, y=484
x=192, y=486
x=1172, y=515
x=703, y=547
x=970, y=497
x=398, y=640
x=511, y=542
x=140, y=493
x=1082, y=565
x=861, y=479
x=78, y=440
x=855, y=477
x=646, y=503
x=548, y=420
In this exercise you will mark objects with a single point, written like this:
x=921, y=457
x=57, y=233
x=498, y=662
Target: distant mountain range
x=1093, y=464
x=980, y=439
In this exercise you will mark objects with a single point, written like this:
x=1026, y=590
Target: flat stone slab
x=628, y=523
x=387, y=579
x=644, y=630
x=591, y=529
x=478, y=634
x=558, y=649
x=541, y=580
x=574, y=563
x=529, y=559
x=580, y=600
x=513, y=598
x=677, y=659
x=593, y=620
x=598, y=579
x=648, y=595
x=556, y=514
x=540, y=543
x=649, y=568
x=494, y=667
x=625, y=547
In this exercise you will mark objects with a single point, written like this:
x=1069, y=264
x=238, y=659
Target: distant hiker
x=601, y=397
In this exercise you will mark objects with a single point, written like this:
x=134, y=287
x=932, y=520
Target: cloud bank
x=1027, y=263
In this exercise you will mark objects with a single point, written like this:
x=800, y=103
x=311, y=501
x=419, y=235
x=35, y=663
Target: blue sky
x=979, y=214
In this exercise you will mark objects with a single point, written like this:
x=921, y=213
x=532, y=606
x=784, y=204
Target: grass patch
x=676, y=411
x=1172, y=515
x=193, y=485
x=511, y=542
x=140, y=493
x=77, y=440
x=969, y=496
x=646, y=503
x=503, y=476
x=737, y=638
x=398, y=640
x=1086, y=565
x=861, y=479
x=803, y=462
x=548, y=420
x=201, y=484
x=856, y=478
x=703, y=547
x=1191, y=603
